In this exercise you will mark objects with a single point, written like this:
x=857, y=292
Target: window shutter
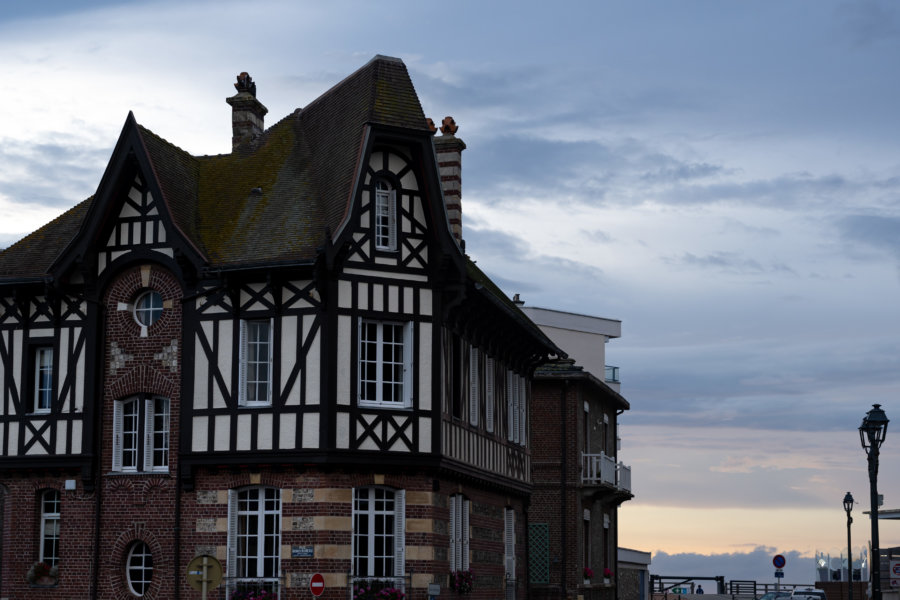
x=231, y=551
x=510, y=405
x=489, y=393
x=148, y=434
x=473, y=385
x=516, y=414
x=117, y=436
x=523, y=411
x=408, y=363
x=392, y=219
x=242, y=363
x=271, y=359
x=509, y=538
x=465, y=534
x=399, y=532
x=454, y=532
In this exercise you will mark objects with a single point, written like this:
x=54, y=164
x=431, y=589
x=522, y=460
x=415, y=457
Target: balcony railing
x=612, y=374
x=599, y=469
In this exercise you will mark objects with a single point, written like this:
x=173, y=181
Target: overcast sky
x=724, y=177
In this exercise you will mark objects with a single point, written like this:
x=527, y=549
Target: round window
x=148, y=308
x=139, y=568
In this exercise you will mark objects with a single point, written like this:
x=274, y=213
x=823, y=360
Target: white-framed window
x=139, y=568
x=43, y=379
x=136, y=419
x=50, y=520
x=459, y=532
x=385, y=363
x=385, y=216
x=509, y=542
x=379, y=533
x=256, y=363
x=254, y=538
x=148, y=308
x=474, y=385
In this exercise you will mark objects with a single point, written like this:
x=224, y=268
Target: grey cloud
x=865, y=23
x=753, y=565
x=878, y=232
x=50, y=174
x=682, y=172
x=729, y=262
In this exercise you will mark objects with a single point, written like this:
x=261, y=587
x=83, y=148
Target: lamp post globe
x=848, y=506
x=871, y=435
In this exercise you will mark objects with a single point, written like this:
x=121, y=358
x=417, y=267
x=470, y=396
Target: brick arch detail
x=143, y=379
x=137, y=532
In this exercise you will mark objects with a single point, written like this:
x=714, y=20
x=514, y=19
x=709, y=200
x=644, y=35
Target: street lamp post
x=848, y=506
x=871, y=434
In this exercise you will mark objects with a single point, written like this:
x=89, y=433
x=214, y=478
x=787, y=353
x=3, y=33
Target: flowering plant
x=462, y=581
x=253, y=595
x=40, y=570
x=377, y=590
x=588, y=572
x=607, y=572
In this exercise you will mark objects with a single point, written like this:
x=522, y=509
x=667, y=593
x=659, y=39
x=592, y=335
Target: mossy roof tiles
x=271, y=201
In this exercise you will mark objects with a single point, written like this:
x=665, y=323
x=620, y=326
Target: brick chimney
x=247, y=112
x=448, y=149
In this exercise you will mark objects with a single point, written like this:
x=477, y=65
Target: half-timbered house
x=279, y=357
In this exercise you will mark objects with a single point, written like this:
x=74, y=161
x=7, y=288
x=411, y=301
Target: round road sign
x=778, y=561
x=317, y=584
x=204, y=569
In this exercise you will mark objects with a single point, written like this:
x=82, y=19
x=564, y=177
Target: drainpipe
x=562, y=487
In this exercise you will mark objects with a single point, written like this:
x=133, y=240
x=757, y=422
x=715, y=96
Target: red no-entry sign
x=317, y=584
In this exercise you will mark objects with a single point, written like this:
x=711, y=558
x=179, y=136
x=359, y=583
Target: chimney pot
x=247, y=113
x=448, y=151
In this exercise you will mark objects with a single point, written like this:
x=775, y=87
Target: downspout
x=177, y=544
x=562, y=488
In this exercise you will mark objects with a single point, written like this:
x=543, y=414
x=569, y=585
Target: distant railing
x=612, y=374
x=598, y=469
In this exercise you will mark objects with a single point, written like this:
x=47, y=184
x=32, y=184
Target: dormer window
x=385, y=216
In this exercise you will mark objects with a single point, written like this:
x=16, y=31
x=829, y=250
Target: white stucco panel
x=287, y=431
x=311, y=430
x=201, y=374
x=264, y=432
x=243, y=432
x=222, y=433
x=62, y=427
x=424, y=434
x=345, y=340
x=342, y=434
x=199, y=434
x=345, y=294
x=425, y=302
x=313, y=360
x=226, y=334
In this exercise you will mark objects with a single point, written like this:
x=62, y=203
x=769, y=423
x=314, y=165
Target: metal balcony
x=600, y=469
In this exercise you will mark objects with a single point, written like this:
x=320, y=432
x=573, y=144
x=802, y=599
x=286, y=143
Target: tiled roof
x=271, y=201
x=32, y=256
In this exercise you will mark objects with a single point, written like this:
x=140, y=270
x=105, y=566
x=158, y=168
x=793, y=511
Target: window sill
x=164, y=474
x=384, y=406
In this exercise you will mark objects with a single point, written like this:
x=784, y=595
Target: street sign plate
x=779, y=574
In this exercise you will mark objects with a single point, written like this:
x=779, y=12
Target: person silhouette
x=699, y=589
